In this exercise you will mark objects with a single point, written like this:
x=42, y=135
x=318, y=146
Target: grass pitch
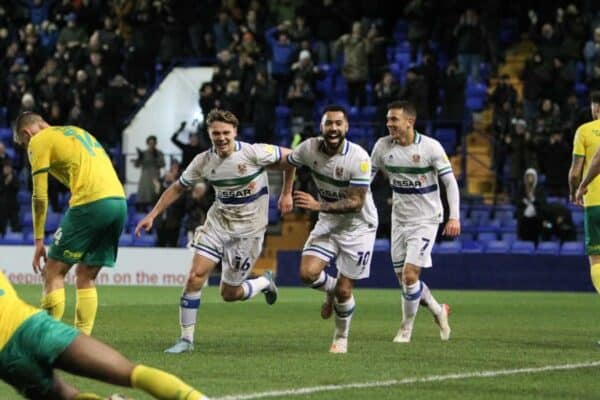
x=246, y=349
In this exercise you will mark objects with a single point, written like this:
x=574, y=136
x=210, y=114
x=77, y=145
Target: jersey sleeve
x=360, y=174
x=440, y=161
x=376, y=163
x=579, y=143
x=266, y=154
x=298, y=157
x=193, y=174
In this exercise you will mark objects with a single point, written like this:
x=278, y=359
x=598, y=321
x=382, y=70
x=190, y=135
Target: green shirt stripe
x=329, y=180
x=237, y=181
x=41, y=170
x=409, y=170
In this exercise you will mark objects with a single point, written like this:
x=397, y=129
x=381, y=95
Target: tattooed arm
x=352, y=203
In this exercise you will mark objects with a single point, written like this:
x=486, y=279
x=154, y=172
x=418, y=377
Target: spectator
x=522, y=150
x=305, y=68
x=328, y=25
x=555, y=158
x=530, y=202
x=150, y=161
x=224, y=30
x=356, y=49
x=386, y=91
x=9, y=206
x=72, y=35
x=168, y=223
x=3, y=156
x=536, y=76
x=415, y=90
x=189, y=150
x=591, y=52
x=430, y=73
x=503, y=92
x=563, y=80
x=470, y=43
x=264, y=100
x=453, y=86
x=548, y=120
x=301, y=100
x=282, y=56
x=558, y=223
x=418, y=12
x=100, y=120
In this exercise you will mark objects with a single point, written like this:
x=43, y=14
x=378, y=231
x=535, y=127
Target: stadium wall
x=169, y=267
x=471, y=271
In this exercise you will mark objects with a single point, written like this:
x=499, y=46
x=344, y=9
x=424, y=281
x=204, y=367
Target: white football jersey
x=241, y=186
x=413, y=173
x=333, y=175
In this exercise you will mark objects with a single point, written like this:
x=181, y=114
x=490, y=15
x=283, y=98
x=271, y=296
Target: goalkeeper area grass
x=504, y=345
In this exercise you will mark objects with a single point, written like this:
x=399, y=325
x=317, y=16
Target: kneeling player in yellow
x=89, y=232
x=33, y=345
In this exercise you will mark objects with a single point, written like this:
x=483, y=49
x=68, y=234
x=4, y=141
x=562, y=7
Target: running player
x=235, y=224
x=90, y=229
x=33, y=346
x=414, y=164
x=347, y=224
x=586, y=159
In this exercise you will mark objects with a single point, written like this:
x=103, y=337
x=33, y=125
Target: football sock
x=411, y=296
x=595, y=272
x=252, y=287
x=54, y=303
x=430, y=301
x=343, y=316
x=188, y=310
x=162, y=385
x=85, y=309
x=324, y=283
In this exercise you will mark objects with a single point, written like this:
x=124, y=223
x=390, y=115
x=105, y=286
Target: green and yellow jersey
x=585, y=144
x=13, y=311
x=77, y=160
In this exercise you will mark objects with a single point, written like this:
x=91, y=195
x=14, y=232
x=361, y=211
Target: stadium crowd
x=92, y=63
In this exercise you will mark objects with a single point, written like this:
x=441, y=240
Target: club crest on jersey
x=242, y=168
x=339, y=171
x=252, y=186
x=416, y=158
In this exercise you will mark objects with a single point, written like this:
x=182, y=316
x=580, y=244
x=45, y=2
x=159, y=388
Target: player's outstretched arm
x=353, y=202
x=39, y=207
x=165, y=200
x=452, y=228
x=575, y=172
x=286, y=202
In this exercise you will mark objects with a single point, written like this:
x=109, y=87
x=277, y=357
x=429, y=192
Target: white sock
x=324, y=283
x=188, y=309
x=343, y=316
x=411, y=296
x=252, y=287
x=430, y=301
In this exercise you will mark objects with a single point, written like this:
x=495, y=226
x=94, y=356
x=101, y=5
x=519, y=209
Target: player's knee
x=194, y=282
x=409, y=276
x=343, y=294
x=229, y=293
x=307, y=275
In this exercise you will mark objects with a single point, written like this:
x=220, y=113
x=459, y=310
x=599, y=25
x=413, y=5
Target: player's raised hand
x=306, y=201
x=286, y=203
x=145, y=224
x=581, y=191
x=38, y=255
x=452, y=228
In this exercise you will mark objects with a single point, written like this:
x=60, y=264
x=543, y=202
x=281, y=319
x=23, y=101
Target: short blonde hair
x=26, y=118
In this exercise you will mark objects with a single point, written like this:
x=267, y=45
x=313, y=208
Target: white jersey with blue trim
x=413, y=173
x=333, y=175
x=241, y=186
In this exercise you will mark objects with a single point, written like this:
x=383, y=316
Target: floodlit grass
x=250, y=347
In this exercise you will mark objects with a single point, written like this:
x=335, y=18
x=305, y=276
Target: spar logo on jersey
x=329, y=194
x=230, y=194
x=407, y=183
x=242, y=168
x=416, y=158
x=339, y=172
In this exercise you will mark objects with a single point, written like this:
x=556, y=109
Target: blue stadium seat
x=248, y=134
x=282, y=112
x=557, y=199
x=522, y=247
x=12, y=238
x=126, y=239
x=368, y=113
x=486, y=237
x=4, y=117
x=476, y=89
x=548, y=248
x=510, y=224
x=145, y=240
x=509, y=237
x=27, y=219
x=479, y=216
x=580, y=72
x=6, y=135
x=497, y=247
x=502, y=215
x=472, y=247
x=475, y=104
x=52, y=221
x=274, y=215
x=353, y=115
x=447, y=247
x=572, y=248
x=131, y=200
x=23, y=196
x=382, y=244
x=578, y=217
x=356, y=134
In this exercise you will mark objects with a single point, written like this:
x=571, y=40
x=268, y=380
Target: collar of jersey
x=417, y=139
x=237, y=147
x=345, y=147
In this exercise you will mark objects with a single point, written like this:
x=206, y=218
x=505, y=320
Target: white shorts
x=236, y=254
x=352, y=252
x=411, y=244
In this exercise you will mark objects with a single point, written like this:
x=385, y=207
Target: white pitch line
x=407, y=381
